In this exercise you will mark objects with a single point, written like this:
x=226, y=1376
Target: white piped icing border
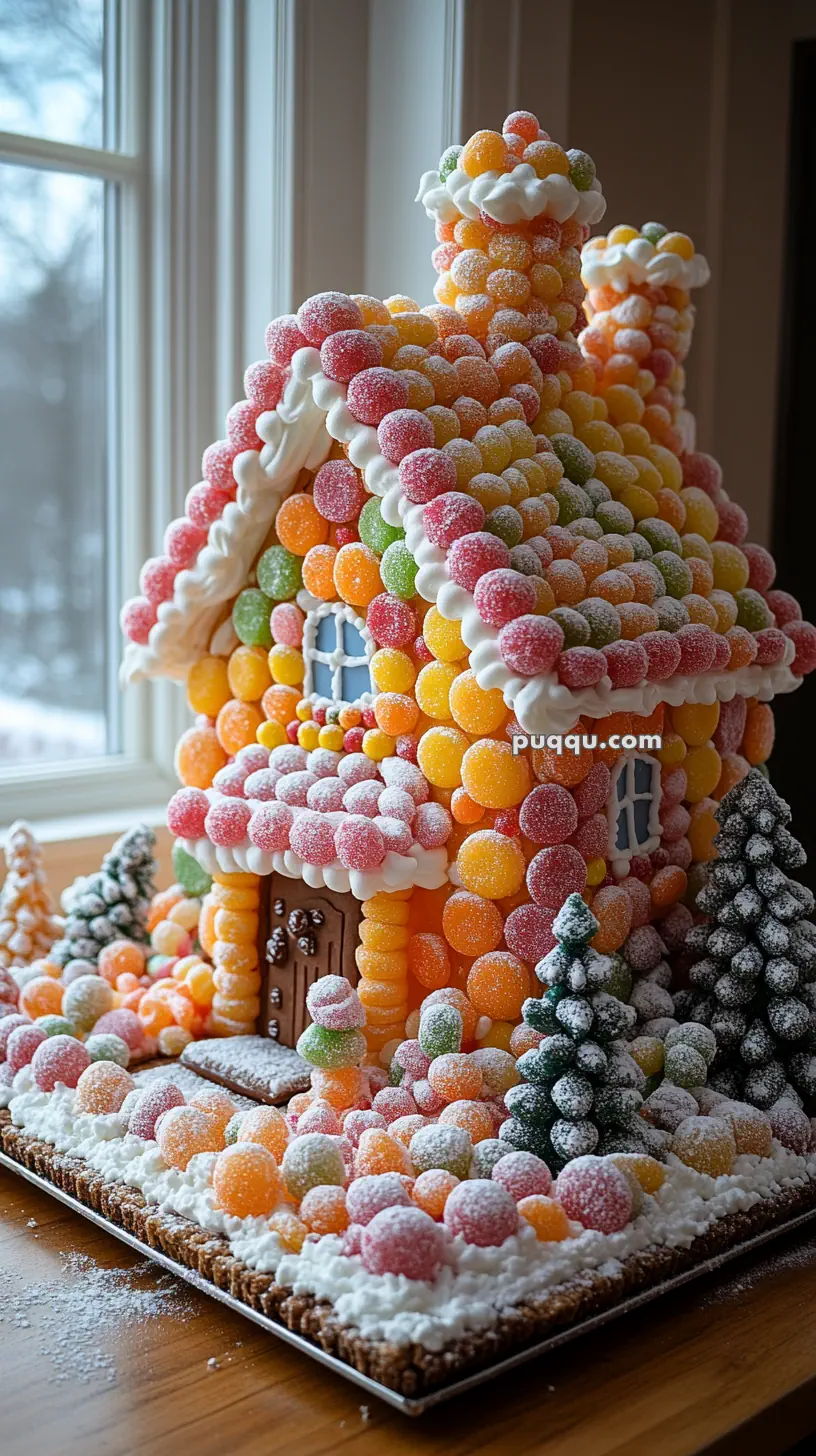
x=619, y=265
x=427, y=868
x=509, y=196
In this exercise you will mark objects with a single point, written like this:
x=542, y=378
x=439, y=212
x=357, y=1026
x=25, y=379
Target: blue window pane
x=622, y=831
x=354, y=681
x=642, y=809
x=643, y=776
x=326, y=640
x=620, y=788
x=353, y=644
x=322, y=680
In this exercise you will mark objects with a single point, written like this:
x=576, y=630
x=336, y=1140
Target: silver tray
x=408, y=1405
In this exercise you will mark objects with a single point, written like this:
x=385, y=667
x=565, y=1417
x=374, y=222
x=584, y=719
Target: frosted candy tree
x=112, y=903
x=29, y=924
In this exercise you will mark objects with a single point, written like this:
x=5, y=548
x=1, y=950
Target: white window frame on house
x=338, y=658
x=624, y=771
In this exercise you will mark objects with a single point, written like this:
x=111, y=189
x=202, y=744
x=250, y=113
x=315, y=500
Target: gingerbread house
x=467, y=621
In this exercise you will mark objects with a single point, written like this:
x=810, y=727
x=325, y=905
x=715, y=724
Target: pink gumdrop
x=425, y=474
x=580, y=667
x=124, y=1023
x=136, y=619
x=323, y=763
x=591, y=838
x=157, y=1100
x=803, y=637
x=395, y=832
x=722, y=653
x=186, y=813
x=784, y=607
x=157, y=579
x=226, y=822
x=283, y=339
x=433, y=825
x=733, y=525
x=363, y=798
x=543, y=550
x=451, y=515
x=312, y=837
x=230, y=781
x=263, y=384
x=286, y=624
x=182, y=542
x=554, y=874
x=292, y=788
x=326, y=796
x=673, y=785
x=626, y=663
x=205, y=503
x=501, y=596
x=403, y=1241
x=427, y=1100
x=288, y=758
x=8, y=1024
x=522, y=1174
x=22, y=1044
x=595, y=1193
x=402, y=432
x=374, y=1192
x=59, y=1059
x=374, y=393
x=528, y=932
x=319, y=1117
x=482, y=1211
x=397, y=803
x=471, y=556
x=639, y=898
x=346, y=353
x=675, y=821
x=338, y=491
x=355, y=768
x=410, y=1056
x=359, y=844
x=643, y=949
x=252, y=758
x=391, y=622
x=528, y=398
x=729, y=731
x=702, y=471
x=358, y=1121
x=216, y=466
x=270, y=827
x=696, y=643
x=761, y=566
x=394, y=1102
x=408, y=747
x=261, y=784
x=399, y=773
x=770, y=642
x=590, y=796
x=327, y=313
x=457, y=346
x=548, y=815
x=334, y=1004
x=531, y=644
x=241, y=426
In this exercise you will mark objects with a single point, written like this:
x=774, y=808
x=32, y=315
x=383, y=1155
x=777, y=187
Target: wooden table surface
x=728, y=1365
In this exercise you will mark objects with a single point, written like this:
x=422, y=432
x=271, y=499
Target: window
x=634, y=809
x=337, y=647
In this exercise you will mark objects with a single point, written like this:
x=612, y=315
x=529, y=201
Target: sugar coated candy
x=482, y=1211
x=403, y=1241
x=595, y=1193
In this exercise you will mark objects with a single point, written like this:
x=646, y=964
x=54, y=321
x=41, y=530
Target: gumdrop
x=184, y=1131
x=102, y=1088
x=267, y=1126
x=245, y=1180
x=483, y=1212
x=706, y=1144
x=108, y=1047
x=369, y=1195
x=155, y=1101
x=403, y=1241
x=441, y=1146
x=58, y=1059
x=86, y=1000
x=595, y=1193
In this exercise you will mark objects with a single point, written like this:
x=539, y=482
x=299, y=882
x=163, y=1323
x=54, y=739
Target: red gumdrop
x=507, y=822
x=522, y=1174
x=403, y=1241
x=182, y=542
x=408, y=747
x=641, y=867
x=784, y=607
x=663, y=653
x=502, y=595
x=270, y=826
x=216, y=465
x=703, y=471
x=451, y=515
x=722, y=653
x=327, y=313
x=136, y=619
x=696, y=643
x=402, y=432
x=124, y=1023
x=640, y=899
x=761, y=566
x=626, y=663
x=528, y=932
x=433, y=825
x=458, y=346
x=241, y=426
x=733, y=525
x=555, y=873
x=482, y=1211
x=803, y=636
x=373, y=393
x=353, y=739
x=394, y=1102
x=531, y=644
x=363, y=798
x=226, y=822
x=231, y=780
x=22, y=1044
x=326, y=796
x=319, y=1117
x=426, y=473
x=292, y=788
x=673, y=785
x=547, y=352
x=562, y=543
x=643, y=949
x=261, y=784
x=581, y=667
x=391, y=622
x=675, y=926
x=592, y=837
x=186, y=813
x=396, y=834
x=443, y=255
x=528, y=398
x=263, y=384
x=523, y=124
x=312, y=837
x=548, y=815
x=369, y=1195
x=59, y=1059
x=770, y=643
x=156, y=1100
x=359, y=844
x=596, y=1194
x=356, y=1122
x=8, y=1024
x=205, y=503
x=283, y=339
x=591, y=794
x=355, y=767
x=157, y=579
x=344, y=354
x=471, y=556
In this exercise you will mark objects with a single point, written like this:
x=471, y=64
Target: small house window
x=336, y=650
x=634, y=808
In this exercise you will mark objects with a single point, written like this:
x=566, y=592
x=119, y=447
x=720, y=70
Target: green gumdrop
x=676, y=574
x=398, y=571
x=574, y=627
x=449, y=161
x=233, y=1128
x=684, y=1066
x=621, y=979
x=311, y=1161
x=598, y=493
x=653, y=232
x=107, y=1047
x=194, y=880
x=603, y=620
x=56, y=1025
x=640, y=546
x=395, y=1073
x=250, y=617
x=693, y=1033
x=660, y=535
x=85, y=1000
x=695, y=545
x=374, y=532
x=440, y=1030
x=573, y=502
x=439, y=1146
x=331, y=1049
x=577, y=460
x=586, y=527
x=506, y=523
x=671, y=614
x=614, y=518
x=582, y=169
x=279, y=574
x=753, y=611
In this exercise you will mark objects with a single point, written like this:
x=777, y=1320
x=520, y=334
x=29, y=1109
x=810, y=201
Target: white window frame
x=625, y=770
x=338, y=658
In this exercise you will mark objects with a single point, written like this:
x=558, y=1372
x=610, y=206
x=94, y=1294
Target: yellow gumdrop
x=498, y=1036
x=596, y=871
x=440, y=755
x=433, y=687
x=208, y=686
x=622, y=233
x=271, y=734
x=696, y=722
x=639, y=501
x=286, y=665
x=442, y=638
x=703, y=767
x=679, y=243
x=701, y=512
x=476, y=709
x=667, y=463
x=492, y=775
x=248, y=673
x=624, y=404
x=331, y=737
x=673, y=750
x=730, y=567
x=392, y=671
x=378, y=745
x=491, y=864
x=308, y=735
x=726, y=608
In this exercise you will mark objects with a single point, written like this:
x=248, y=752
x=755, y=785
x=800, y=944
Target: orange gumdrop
x=498, y=984
x=41, y=996
x=237, y=725
x=668, y=886
x=432, y=1189
x=474, y=1117
x=619, y=723
x=323, y=1209
x=612, y=909
x=245, y=1180
x=199, y=756
x=758, y=738
x=357, y=574
x=701, y=831
x=280, y=702
x=120, y=957
x=455, y=1076
x=734, y=769
x=299, y=525
x=546, y=1216
x=565, y=768
x=216, y=1104
x=318, y=572
x=340, y=1087
x=428, y=960
x=160, y=907
x=378, y=1152
x=472, y=925
x=184, y=1131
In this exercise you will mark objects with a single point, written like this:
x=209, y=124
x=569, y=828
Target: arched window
x=633, y=811
x=337, y=647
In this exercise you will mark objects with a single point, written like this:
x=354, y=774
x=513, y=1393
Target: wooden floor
x=728, y=1366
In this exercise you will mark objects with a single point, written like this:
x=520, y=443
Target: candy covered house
x=435, y=541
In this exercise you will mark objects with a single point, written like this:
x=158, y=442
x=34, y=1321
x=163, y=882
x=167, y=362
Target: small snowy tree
x=112, y=903
x=29, y=924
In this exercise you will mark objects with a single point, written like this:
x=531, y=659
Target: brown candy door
x=307, y=934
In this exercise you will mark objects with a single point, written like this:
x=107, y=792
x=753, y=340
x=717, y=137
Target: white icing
x=425, y=867
x=509, y=196
x=619, y=265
